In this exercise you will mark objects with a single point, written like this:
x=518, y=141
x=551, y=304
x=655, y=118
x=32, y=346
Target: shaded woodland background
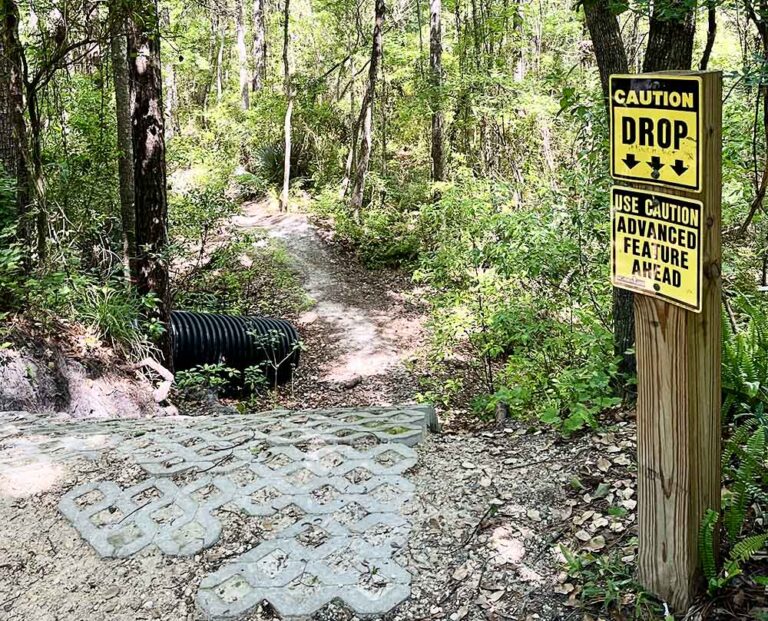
x=463, y=142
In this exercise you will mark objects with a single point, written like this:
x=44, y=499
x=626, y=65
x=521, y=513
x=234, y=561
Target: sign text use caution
x=656, y=240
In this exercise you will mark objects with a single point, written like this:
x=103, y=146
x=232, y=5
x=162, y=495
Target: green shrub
x=207, y=376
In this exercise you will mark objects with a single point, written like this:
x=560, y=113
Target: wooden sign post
x=666, y=142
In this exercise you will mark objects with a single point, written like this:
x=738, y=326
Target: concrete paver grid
x=335, y=498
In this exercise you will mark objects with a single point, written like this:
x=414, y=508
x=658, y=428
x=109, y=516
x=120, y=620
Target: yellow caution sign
x=655, y=129
x=656, y=241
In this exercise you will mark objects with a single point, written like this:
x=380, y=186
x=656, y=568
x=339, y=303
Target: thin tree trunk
x=220, y=60
x=119, y=52
x=259, y=46
x=366, y=112
x=38, y=175
x=759, y=16
x=476, y=36
x=355, y=130
x=421, y=38
x=202, y=89
x=171, y=102
x=9, y=145
x=242, y=55
x=383, y=108
x=436, y=77
x=170, y=93
x=612, y=58
x=284, y=195
x=92, y=58
x=711, y=34
x=149, y=168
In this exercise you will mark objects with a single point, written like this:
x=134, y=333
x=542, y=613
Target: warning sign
x=656, y=240
x=655, y=129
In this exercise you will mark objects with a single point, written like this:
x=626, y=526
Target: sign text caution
x=655, y=128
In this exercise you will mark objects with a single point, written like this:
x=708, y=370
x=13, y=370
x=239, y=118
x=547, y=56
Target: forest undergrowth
x=464, y=146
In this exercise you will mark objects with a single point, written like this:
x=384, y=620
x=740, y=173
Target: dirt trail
x=362, y=327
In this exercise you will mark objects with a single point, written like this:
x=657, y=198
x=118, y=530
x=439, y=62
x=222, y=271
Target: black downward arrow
x=679, y=167
x=656, y=166
x=655, y=163
x=631, y=161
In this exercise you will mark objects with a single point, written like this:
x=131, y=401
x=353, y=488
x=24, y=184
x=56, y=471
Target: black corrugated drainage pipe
x=239, y=342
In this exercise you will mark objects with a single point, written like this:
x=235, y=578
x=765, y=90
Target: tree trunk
x=284, y=195
x=421, y=38
x=259, y=46
x=612, y=58
x=609, y=49
x=220, y=60
x=9, y=145
x=92, y=58
x=759, y=17
x=119, y=52
x=711, y=34
x=242, y=54
x=354, y=130
x=149, y=168
x=670, y=38
x=366, y=112
x=170, y=93
x=436, y=77
x=38, y=175
x=13, y=128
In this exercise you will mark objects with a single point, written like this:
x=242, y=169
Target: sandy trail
x=362, y=324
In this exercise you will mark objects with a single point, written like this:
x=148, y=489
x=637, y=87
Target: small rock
x=350, y=383
x=111, y=592
x=596, y=543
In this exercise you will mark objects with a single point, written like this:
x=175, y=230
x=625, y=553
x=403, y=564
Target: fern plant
x=745, y=358
x=746, y=481
x=743, y=552
x=744, y=467
x=707, y=543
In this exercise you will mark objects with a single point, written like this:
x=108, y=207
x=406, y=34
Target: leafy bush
x=385, y=234
x=745, y=478
x=607, y=583
x=197, y=214
x=248, y=275
x=207, y=376
x=498, y=281
x=113, y=311
x=249, y=186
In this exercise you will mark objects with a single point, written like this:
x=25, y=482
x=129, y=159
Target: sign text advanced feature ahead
x=656, y=245
x=656, y=129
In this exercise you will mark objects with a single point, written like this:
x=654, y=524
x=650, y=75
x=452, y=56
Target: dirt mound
x=49, y=381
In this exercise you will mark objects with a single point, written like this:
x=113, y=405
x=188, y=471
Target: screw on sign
x=665, y=235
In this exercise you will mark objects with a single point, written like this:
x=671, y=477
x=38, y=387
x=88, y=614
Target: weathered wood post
x=666, y=131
